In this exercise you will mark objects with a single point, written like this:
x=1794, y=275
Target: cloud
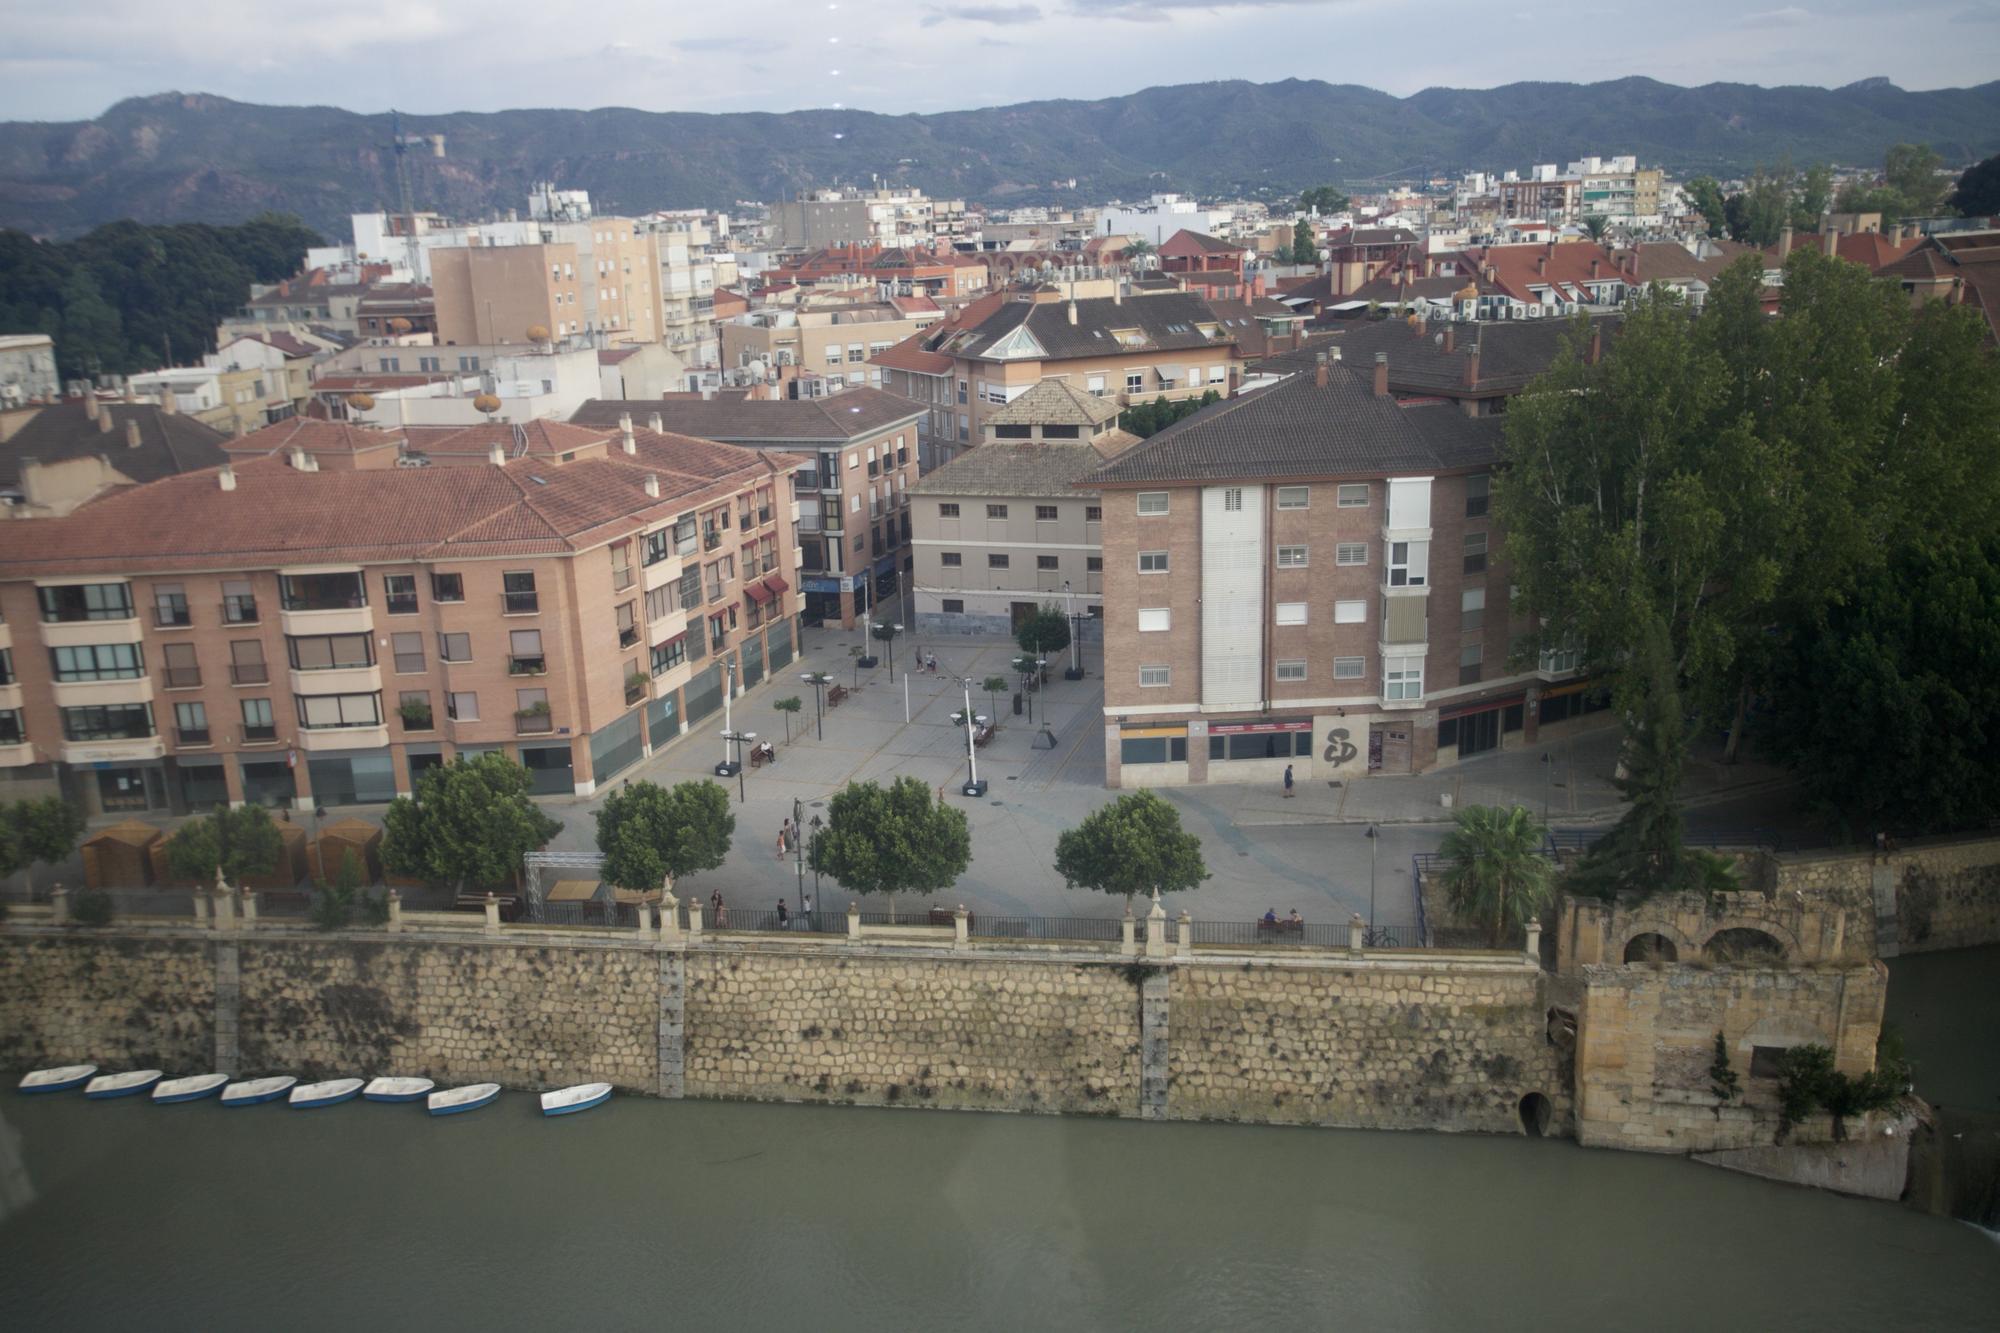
x=1978, y=14
x=1791, y=16
x=722, y=44
x=998, y=14
x=1152, y=11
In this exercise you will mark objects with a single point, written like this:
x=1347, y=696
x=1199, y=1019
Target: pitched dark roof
x=1166, y=322
x=1009, y=467
x=836, y=419
x=1511, y=353
x=1297, y=429
x=169, y=443
x=1200, y=240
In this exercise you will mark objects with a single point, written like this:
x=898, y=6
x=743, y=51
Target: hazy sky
x=64, y=61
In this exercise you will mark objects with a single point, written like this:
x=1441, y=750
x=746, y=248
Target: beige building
x=603, y=276
x=57, y=457
x=834, y=341
x=1011, y=526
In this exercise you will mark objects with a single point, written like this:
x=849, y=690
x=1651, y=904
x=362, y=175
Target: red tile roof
x=314, y=436
x=533, y=439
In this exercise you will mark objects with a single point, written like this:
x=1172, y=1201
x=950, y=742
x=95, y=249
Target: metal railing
x=1043, y=928
x=809, y=923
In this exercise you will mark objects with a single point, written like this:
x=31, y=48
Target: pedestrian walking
x=1288, y=781
x=807, y=910
x=781, y=844
x=784, y=917
x=717, y=912
x=786, y=836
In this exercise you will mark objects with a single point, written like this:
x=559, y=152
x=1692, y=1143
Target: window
x=1048, y=562
x=524, y=653
x=1156, y=675
x=1152, y=562
x=107, y=722
x=1045, y=513
x=322, y=592
x=1353, y=496
x=191, y=723
x=1291, y=613
x=462, y=706
x=1153, y=745
x=1291, y=557
x=1093, y=513
x=517, y=597
x=1152, y=503
x=414, y=707
x=833, y=354
x=1293, y=497
x=996, y=562
x=1349, y=668
x=1291, y=671
x=329, y=652
x=1476, y=495
x=183, y=672
x=11, y=730
x=1157, y=618
x=409, y=651
x=1468, y=663
x=1093, y=563
x=948, y=510
x=239, y=603
x=87, y=601
x=531, y=711
x=1094, y=386
x=6, y=666
x=455, y=647
x=1135, y=381
x=258, y=724
x=996, y=511
x=953, y=605
x=628, y=624
x=170, y=605
x=246, y=662
x=1475, y=553
x=1350, y=553
x=399, y=594
x=1403, y=678
x=1232, y=499
x=102, y=661
x=447, y=587
x=1472, y=608
x=1409, y=564
x=1350, y=613
x=952, y=559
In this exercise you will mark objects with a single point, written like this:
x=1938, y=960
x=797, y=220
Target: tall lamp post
x=973, y=786
x=799, y=850
x=737, y=738
x=887, y=632
x=819, y=680
x=725, y=769
x=1075, y=671
x=1374, y=845
x=817, y=825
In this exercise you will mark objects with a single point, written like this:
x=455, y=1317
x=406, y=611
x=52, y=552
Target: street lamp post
x=973, y=786
x=817, y=824
x=1374, y=845
x=737, y=738
x=799, y=850
x=1075, y=671
x=724, y=769
x=819, y=680
x=887, y=632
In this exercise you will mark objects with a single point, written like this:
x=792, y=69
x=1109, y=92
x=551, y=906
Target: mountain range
x=197, y=157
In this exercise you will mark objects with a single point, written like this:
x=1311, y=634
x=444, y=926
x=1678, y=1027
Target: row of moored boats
x=330, y=1092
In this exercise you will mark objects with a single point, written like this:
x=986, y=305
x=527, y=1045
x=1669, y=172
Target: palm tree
x=1495, y=872
x=1596, y=224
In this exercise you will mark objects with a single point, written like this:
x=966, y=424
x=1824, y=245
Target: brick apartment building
x=279, y=631
x=1310, y=575
x=852, y=495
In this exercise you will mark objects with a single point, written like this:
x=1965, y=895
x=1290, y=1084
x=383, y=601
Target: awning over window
x=758, y=593
x=776, y=584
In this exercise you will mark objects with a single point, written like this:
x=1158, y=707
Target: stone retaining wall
x=120, y=1002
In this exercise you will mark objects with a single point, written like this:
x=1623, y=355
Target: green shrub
x=92, y=908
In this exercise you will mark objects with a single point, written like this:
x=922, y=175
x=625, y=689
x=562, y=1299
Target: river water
x=701, y=1215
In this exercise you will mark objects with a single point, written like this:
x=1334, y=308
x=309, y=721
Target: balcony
x=324, y=599
x=176, y=616
x=182, y=678
x=763, y=515
x=402, y=604
x=259, y=735
x=534, y=722
x=112, y=749
x=621, y=577
x=190, y=737
x=250, y=674
x=628, y=637
x=520, y=603
x=711, y=539
x=83, y=693
x=363, y=737
x=81, y=633
x=530, y=666
x=239, y=611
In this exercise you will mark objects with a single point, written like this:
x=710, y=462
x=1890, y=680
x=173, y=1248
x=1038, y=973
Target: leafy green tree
x=1977, y=193
x=1043, y=634
x=1767, y=204
x=1911, y=170
x=334, y=905
x=1706, y=195
x=1324, y=200
x=43, y=831
x=240, y=842
x=649, y=833
x=1814, y=196
x=892, y=840
x=1596, y=224
x=1305, y=243
x=1808, y=1081
x=1494, y=870
x=1722, y=1080
x=90, y=324
x=788, y=706
x=1134, y=845
x=470, y=823
x=994, y=686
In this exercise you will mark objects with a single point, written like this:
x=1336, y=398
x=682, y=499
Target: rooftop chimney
x=168, y=403
x=624, y=423
x=655, y=423
x=1832, y=243
x=131, y=432
x=1472, y=366
x=1784, y=242
x=1450, y=338
x=90, y=408
x=625, y=440
x=1333, y=353
x=1319, y=371
x=1381, y=374
x=226, y=478
x=1541, y=266
x=1072, y=312
x=300, y=460
x=1596, y=343
x=497, y=455
x=1595, y=265
x=652, y=484
x=104, y=421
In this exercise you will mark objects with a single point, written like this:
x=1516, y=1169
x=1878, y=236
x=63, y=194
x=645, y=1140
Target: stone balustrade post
x=249, y=897
x=1535, y=942
x=1356, y=932
x=854, y=923
x=492, y=913
x=1184, y=945
x=1156, y=930
x=200, y=898
x=225, y=904
x=645, y=916
x=961, y=934
x=670, y=917
x=694, y=919
x=1128, y=935
x=59, y=905
x=395, y=912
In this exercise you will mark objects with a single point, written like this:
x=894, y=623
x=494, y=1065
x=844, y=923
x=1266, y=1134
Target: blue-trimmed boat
x=397, y=1089
x=457, y=1101
x=333, y=1092
x=568, y=1101
x=60, y=1078
x=257, y=1091
x=128, y=1084
x=190, y=1089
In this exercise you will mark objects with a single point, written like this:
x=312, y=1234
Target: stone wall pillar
x=854, y=922
x=1184, y=942
x=694, y=920
x=225, y=904
x=395, y=912
x=670, y=918
x=1153, y=1045
x=249, y=899
x=645, y=916
x=1356, y=933
x=1535, y=942
x=1156, y=931
x=492, y=913
x=59, y=905
x=961, y=934
x=200, y=908
x=1128, y=935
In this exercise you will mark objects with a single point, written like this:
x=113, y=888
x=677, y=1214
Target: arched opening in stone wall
x=1535, y=1113
x=1651, y=947
x=1743, y=944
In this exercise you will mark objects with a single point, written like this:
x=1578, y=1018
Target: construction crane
x=399, y=145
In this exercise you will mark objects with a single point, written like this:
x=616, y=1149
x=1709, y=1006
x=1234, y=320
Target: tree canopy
x=648, y=832
x=1322, y=199
x=1494, y=871
x=1148, y=419
x=1706, y=195
x=470, y=823
x=895, y=839
x=128, y=297
x=239, y=842
x=1305, y=243
x=1910, y=186
x=1977, y=193
x=1134, y=845
x=1044, y=633
x=39, y=831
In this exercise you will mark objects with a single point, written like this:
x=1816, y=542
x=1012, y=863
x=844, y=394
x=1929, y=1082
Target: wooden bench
x=510, y=904
x=757, y=759
x=945, y=916
x=1280, y=927
x=983, y=735
x=835, y=695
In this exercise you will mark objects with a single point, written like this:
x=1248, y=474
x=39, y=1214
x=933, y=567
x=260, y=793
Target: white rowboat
x=59, y=1079
x=257, y=1091
x=468, y=1098
x=120, y=1085
x=330, y=1093
x=192, y=1088
x=397, y=1089
x=568, y=1101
